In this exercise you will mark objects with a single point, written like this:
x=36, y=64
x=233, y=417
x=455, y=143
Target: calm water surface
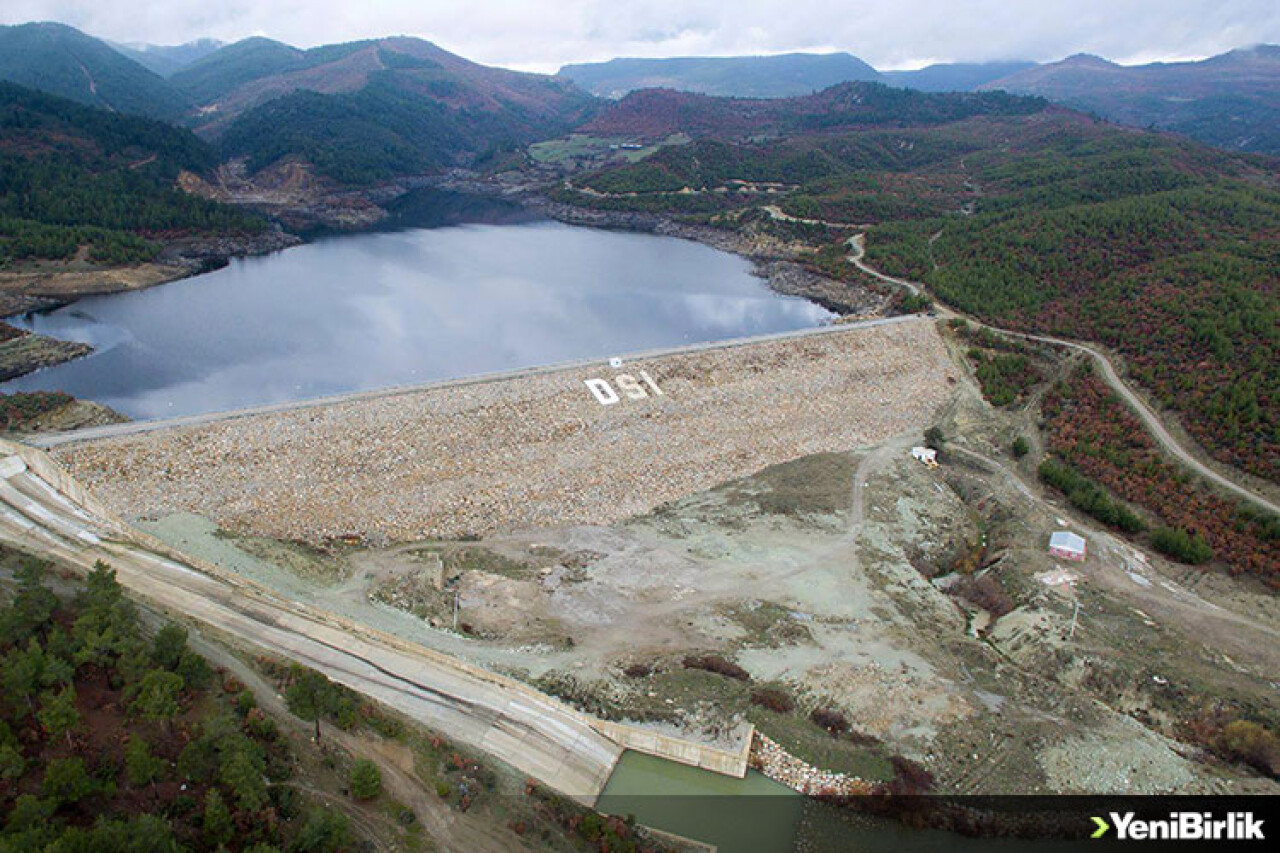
x=379, y=309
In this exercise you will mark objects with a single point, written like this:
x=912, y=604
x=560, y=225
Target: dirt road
x=857, y=245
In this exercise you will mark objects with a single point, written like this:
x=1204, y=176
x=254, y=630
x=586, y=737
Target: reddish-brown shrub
x=985, y=592
x=830, y=719
x=909, y=777
x=773, y=699
x=718, y=665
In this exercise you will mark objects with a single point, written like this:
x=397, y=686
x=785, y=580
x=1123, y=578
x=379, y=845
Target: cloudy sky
x=540, y=36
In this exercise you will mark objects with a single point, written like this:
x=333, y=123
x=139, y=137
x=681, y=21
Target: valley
x=768, y=426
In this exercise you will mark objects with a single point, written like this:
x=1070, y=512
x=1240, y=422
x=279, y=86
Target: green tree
x=365, y=779
x=1021, y=447
x=934, y=438
x=106, y=632
x=195, y=672
x=324, y=831
x=58, y=714
x=310, y=696
x=66, y=781
x=23, y=674
x=12, y=764
x=242, y=773
x=1182, y=546
x=140, y=766
x=33, y=606
x=217, y=824
x=168, y=645
x=156, y=697
x=29, y=812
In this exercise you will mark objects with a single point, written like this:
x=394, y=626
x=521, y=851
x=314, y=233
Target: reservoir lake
x=403, y=307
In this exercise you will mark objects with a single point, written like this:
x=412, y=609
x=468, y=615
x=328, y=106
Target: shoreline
x=779, y=264
x=775, y=263
x=36, y=290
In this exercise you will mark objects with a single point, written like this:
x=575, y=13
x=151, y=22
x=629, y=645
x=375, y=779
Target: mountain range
x=359, y=112
x=61, y=60
x=168, y=59
x=368, y=110
x=781, y=76
x=1229, y=100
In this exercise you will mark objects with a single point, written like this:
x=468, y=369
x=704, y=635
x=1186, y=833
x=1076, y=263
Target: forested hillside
x=63, y=61
x=221, y=71
x=658, y=113
x=365, y=111
x=112, y=740
x=1162, y=249
x=392, y=126
x=72, y=176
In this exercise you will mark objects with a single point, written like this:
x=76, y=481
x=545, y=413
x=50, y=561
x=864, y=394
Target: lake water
x=374, y=310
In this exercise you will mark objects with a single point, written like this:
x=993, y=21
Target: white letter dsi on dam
x=603, y=391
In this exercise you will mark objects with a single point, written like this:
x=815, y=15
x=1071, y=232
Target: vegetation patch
x=1086, y=496
x=718, y=665
x=985, y=592
x=830, y=720
x=72, y=176
x=18, y=411
x=110, y=740
x=773, y=699
x=1089, y=428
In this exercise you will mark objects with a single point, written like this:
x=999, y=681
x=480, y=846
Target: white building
x=1067, y=545
x=927, y=455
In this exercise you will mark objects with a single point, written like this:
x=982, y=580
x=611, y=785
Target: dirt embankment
x=22, y=352
x=291, y=192
x=527, y=451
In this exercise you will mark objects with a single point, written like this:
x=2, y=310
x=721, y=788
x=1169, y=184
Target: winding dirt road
x=857, y=246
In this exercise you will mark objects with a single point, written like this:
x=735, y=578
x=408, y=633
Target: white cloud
x=542, y=36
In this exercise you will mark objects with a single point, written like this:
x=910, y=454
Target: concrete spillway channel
x=44, y=511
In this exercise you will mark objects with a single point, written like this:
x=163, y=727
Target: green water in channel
x=758, y=815
x=750, y=815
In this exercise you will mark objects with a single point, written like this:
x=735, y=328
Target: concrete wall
x=717, y=760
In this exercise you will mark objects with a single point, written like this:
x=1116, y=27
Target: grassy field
x=585, y=147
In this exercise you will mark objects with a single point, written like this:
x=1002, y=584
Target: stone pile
x=528, y=451
x=775, y=762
